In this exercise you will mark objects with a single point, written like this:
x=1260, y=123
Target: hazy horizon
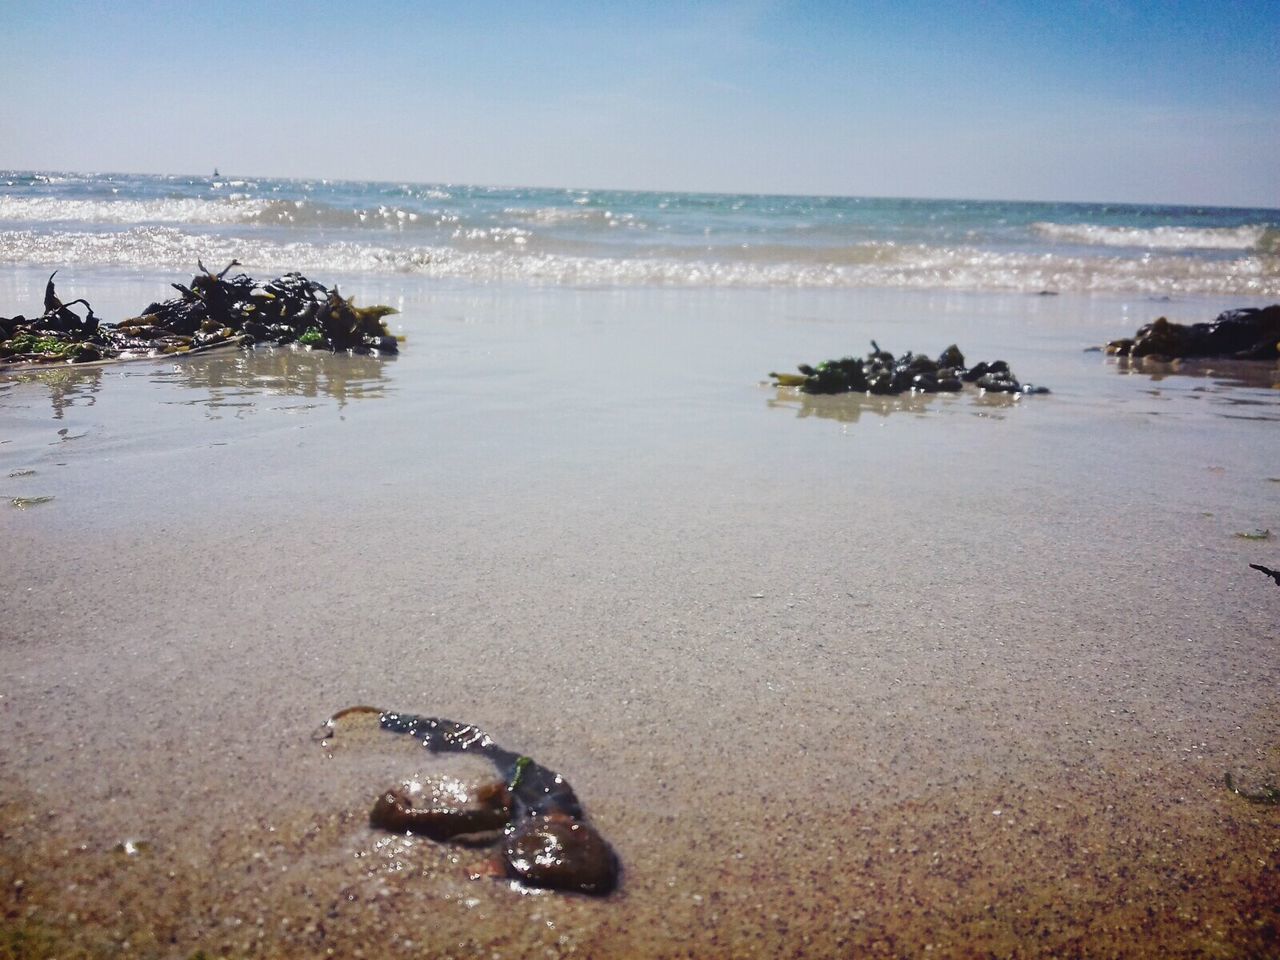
x=574, y=188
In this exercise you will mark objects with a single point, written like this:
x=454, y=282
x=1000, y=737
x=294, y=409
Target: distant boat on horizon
x=216, y=174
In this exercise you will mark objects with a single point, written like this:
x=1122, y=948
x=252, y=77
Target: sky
x=1092, y=100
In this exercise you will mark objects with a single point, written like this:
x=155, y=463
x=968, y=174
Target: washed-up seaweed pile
x=214, y=311
x=1252, y=333
x=880, y=372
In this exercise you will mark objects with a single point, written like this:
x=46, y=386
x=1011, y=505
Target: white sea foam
x=1248, y=237
x=868, y=265
x=16, y=209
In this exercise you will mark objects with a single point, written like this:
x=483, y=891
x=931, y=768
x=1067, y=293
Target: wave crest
x=869, y=265
x=1248, y=237
x=232, y=210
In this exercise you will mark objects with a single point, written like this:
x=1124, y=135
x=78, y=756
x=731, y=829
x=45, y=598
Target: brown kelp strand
x=546, y=839
x=880, y=372
x=1252, y=333
x=214, y=310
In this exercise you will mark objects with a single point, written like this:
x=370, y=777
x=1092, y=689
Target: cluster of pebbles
x=880, y=372
x=213, y=311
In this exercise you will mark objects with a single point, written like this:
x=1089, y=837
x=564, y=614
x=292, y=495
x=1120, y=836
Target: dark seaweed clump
x=213, y=311
x=880, y=372
x=1251, y=333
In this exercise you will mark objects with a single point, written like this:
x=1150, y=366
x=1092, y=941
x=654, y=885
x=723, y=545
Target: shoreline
x=1038, y=608
x=606, y=239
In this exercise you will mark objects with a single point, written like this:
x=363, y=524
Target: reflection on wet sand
x=850, y=407
x=280, y=371
x=1226, y=371
x=233, y=378
x=1246, y=388
x=68, y=385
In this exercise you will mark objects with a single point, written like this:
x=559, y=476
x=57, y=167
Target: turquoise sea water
x=623, y=238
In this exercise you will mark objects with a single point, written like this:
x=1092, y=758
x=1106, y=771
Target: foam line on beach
x=904, y=267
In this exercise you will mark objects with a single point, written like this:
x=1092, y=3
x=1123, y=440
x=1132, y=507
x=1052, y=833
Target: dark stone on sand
x=561, y=853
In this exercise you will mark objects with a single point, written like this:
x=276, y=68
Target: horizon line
x=646, y=190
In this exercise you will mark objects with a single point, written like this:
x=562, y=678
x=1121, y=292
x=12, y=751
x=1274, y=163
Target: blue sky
x=1100, y=100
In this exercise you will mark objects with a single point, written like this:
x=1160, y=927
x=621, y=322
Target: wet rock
x=442, y=808
x=560, y=853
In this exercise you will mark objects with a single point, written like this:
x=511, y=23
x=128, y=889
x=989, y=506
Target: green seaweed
x=1268, y=793
x=518, y=775
x=30, y=343
x=22, y=503
x=1255, y=535
x=311, y=337
x=33, y=344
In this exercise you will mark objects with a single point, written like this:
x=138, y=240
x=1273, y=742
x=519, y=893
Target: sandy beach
x=881, y=677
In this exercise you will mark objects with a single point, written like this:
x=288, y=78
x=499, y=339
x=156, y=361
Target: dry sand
x=836, y=678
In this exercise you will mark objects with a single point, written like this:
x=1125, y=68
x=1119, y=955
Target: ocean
x=613, y=238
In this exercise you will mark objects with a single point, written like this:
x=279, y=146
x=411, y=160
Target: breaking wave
x=1247, y=237
x=864, y=265
x=233, y=209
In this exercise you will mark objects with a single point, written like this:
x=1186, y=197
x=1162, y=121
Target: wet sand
x=836, y=677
